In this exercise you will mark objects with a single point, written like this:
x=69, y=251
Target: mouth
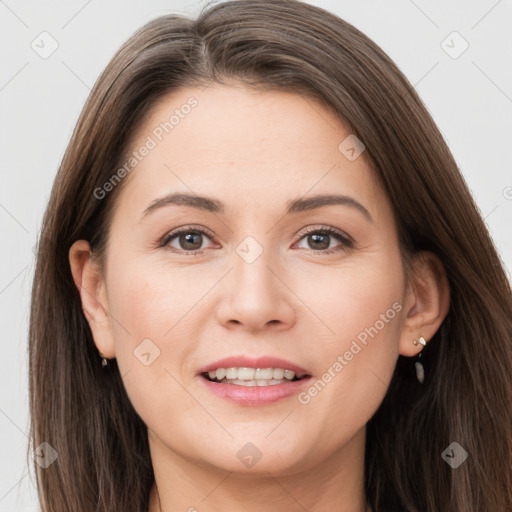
x=253, y=377
x=254, y=382
x=249, y=386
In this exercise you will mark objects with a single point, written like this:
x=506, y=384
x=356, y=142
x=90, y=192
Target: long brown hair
x=83, y=411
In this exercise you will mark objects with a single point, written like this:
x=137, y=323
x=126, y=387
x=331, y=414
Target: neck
x=335, y=483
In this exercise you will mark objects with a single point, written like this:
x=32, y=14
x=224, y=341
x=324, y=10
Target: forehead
x=244, y=145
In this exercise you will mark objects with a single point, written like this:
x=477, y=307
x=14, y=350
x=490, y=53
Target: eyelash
x=346, y=241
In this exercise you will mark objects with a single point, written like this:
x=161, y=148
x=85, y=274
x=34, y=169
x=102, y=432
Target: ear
x=91, y=286
x=426, y=304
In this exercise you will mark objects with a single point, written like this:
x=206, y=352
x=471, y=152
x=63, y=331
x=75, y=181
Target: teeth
x=252, y=376
x=278, y=373
x=288, y=374
x=231, y=373
x=263, y=373
x=247, y=374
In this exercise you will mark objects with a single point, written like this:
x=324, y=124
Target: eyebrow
x=293, y=206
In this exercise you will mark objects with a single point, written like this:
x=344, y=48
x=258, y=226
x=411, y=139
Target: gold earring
x=421, y=341
x=418, y=366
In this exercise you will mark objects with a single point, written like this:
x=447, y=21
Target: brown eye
x=191, y=240
x=186, y=240
x=321, y=240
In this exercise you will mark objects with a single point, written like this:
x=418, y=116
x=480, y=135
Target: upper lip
x=258, y=362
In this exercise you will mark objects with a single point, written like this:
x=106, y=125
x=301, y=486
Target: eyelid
x=192, y=227
x=323, y=228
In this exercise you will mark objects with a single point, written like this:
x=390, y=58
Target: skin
x=255, y=151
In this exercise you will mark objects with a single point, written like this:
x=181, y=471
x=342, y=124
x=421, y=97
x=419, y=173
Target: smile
x=254, y=381
x=250, y=377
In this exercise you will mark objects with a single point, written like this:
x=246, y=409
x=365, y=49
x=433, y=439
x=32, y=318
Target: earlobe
x=91, y=287
x=426, y=304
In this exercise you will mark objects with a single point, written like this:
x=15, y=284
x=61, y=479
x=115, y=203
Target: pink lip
x=247, y=362
x=257, y=395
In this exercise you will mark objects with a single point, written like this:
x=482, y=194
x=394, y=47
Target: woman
x=262, y=284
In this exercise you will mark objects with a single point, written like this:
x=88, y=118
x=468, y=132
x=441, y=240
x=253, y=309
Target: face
x=245, y=264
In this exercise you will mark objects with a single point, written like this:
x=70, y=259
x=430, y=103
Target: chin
x=257, y=458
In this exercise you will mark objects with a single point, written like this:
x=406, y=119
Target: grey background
x=470, y=98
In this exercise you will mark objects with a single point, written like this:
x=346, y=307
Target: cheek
x=148, y=300
x=152, y=315
x=148, y=316
x=361, y=305
x=372, y=304
x=348, y=300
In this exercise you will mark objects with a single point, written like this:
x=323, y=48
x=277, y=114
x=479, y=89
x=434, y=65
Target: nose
x=255, y=297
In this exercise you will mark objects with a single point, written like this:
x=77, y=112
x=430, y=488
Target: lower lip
x=255, y=395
